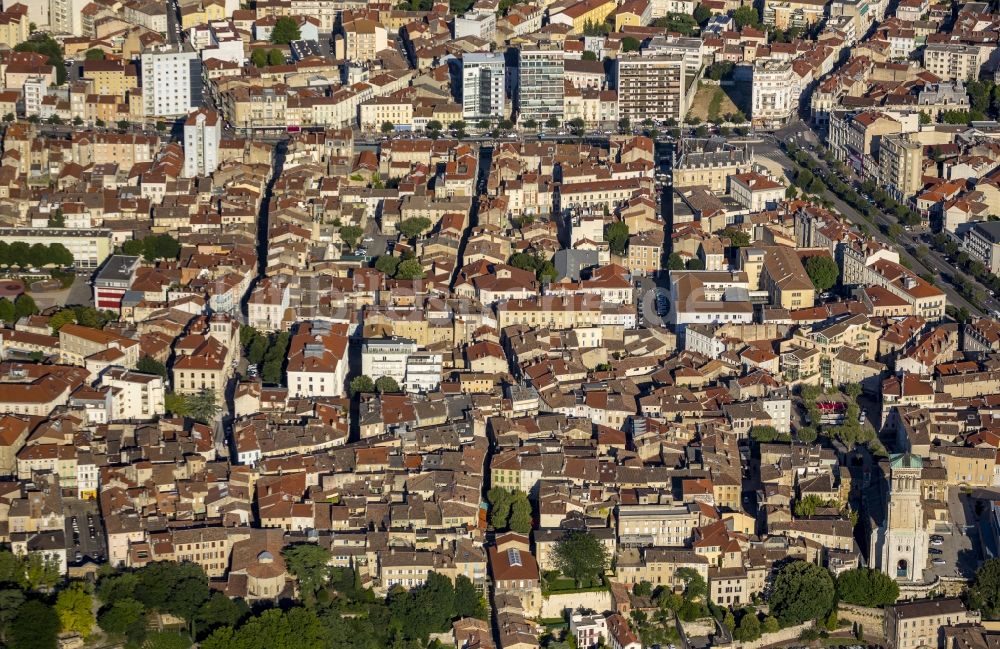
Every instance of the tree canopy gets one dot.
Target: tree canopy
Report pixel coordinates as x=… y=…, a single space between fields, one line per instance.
x=616 y=234
x=74 y=608
x=309 y=564
x=823 y=271
x=802 y=591
x=285 y=31
x=361 y=385
x=984 y=594
x=867 y=587
x=385 y=384
x=581 y=557
x=414 y=226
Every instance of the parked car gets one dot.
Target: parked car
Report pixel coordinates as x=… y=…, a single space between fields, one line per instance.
x=938 y=561
x=935 y=551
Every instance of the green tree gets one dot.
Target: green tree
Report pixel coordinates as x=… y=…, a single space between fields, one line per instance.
x=64 y=317
x=94 y=54
x=410 y=269
x=220 y=610
x=24 y=305
x=361 y=385
x=257 y=350
x=520 y=514
x=630 y=44
x=737 y=238
x=160 y=246
x=729 y=621
x=271 y=374
x=468 y=601
x=984 y=594
x=589 y=56
x=35 y=626
x=771 y=625
x=309 y=564
x=749 y=628
x=202 y=406
x=42 y=572
x=120 y=616
x=695 y=264
x=806 y=434
x=74 y=608
x=387 y=264
x=581 y=557
x=867 y=587
x=746 y=16
x=388 y=127
x=275 y=57
x=675 y=262
x=853 y=390
x=10 y=601
x=695 y=587
x=386 y=384
x=435 y=126
x=802 y=591
x=149 y=365
x=500 y=501
x=259 y=57
x=285 y=31
x=7 y=311
x=616 y=234
x=351 y=234
x=414 y=226
x=823 y=271
x=702 y=14
x=552 y=122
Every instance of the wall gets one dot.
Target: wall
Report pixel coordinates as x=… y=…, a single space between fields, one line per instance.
x=554 y=605
x=784 y=635
x=872 y=619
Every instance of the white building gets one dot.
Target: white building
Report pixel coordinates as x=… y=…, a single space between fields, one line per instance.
x=775 y=93
x=709 y=297
x=171 y=80
x=202 y=136
x=317 y=360
x=423 y=372
x=756 y=191
x=540 y=83
x=137 y=396
x=50 y=545
x=482 y=86
x=480 y=24
x=588 y=630
x=34 y=91
x=66 y=16
x=386 y=357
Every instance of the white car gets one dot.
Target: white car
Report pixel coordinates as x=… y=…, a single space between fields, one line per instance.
x=938 y=562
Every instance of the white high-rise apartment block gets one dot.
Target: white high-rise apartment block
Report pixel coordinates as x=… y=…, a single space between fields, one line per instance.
x=66 y=16
x=34 y=90
x=540 y=77
x=171 y=80
x=202 y=136
x=774 y=94
x=482 y=86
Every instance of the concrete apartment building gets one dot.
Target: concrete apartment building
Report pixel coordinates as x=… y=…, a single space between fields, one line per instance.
x=386 y=357
x=171 y=80
x=483 y=76
x=900 y=166
x=202 y=137
x=954 y=60
x=982 y=242
x=540 y=78
x=652 y=87
x=775 y=93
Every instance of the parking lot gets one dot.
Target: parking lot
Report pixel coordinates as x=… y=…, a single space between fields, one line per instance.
x=960 y=549
x=85 y=540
